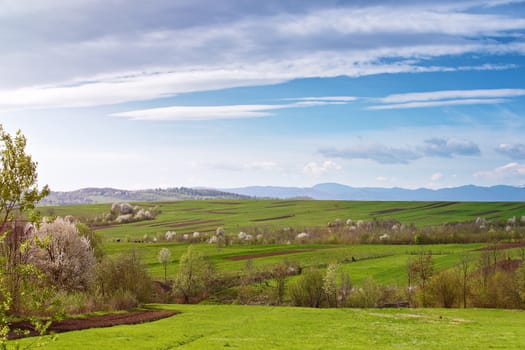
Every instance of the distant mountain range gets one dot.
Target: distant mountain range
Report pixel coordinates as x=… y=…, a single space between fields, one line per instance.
x=323 y=191
x=336 y=191
x=110 y=195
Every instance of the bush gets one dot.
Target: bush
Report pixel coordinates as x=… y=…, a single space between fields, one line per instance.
x=123 y=278
x=444 y=289
x=308 y=289
x=370 y=294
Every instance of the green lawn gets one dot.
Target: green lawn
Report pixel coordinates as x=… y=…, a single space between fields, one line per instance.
x=261 y=327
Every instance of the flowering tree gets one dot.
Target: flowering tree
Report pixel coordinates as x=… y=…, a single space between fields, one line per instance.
x=65 y=256
x=165 y=259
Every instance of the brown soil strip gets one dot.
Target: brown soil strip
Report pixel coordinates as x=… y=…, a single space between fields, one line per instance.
x=503 y=246
x=274 y=218
x=75 y=324
x=265 y=255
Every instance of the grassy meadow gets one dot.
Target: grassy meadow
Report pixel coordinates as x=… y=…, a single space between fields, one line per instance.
x=211 y=326
x=235 y=215
x=263 y=327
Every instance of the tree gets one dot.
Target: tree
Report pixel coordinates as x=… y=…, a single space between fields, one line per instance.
x=464 y=269
x=421 y=269
x=18 y=178
x=330 y=284
x=165 y=260
x=193 y=276
x=65 y=256
x=18 y=195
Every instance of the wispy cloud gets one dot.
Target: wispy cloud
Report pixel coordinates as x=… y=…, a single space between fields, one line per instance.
x=318 y=169
x=514 y=151
x=213 y=112
x=373 y=151
x=437 y=147
x=452 y=94
x=447 y=98
x=324 y=98
x=508 y=171
x=145 y=52
x=440 y=147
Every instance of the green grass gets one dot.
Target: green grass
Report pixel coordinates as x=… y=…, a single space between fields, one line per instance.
x=259 y=327
x=385 y=263
x=236 y=215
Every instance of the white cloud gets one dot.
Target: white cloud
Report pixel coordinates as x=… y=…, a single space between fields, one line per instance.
x=508 y=171
x=435 y=147
x=324 y=98
x=437 y=104
x=212 y=112
x=147 y=56
x=452 y=94
x=374 y=151
x=447 y=98
x=514 y=151
x=264 y=165
x=318 y=169
x=436 y=177
x=441 y=147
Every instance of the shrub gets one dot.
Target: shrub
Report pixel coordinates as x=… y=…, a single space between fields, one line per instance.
x=123 y=276
x=308 y=289
x=368 y=295
x=444 y=289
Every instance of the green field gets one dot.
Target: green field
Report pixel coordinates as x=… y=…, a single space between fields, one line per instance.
x=256 y=327
x=234 y=215
x=385 y=263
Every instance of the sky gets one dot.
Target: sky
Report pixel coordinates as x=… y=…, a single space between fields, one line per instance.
x=223 y=94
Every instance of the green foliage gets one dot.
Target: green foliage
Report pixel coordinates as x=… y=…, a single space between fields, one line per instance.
x=444 y=289
x=123 y=278
x=18 y=195
x=369 y=295
x=18 y=177
x=308 y=290
x=194 y=275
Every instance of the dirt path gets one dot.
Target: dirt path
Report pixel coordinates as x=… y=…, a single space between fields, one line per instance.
x=75 y=324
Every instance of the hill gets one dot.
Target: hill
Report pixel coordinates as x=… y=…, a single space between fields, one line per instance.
x=109 y=195
x=334 y=191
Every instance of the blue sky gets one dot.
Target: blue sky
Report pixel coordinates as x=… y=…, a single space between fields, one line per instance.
x=134 y=94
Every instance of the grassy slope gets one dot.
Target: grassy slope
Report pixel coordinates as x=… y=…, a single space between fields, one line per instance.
x=385 y=263
x=206 y=216
x=253 y=327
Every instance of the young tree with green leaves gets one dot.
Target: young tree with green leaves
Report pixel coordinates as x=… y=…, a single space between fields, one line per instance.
x=19 y=194
x=193 y=276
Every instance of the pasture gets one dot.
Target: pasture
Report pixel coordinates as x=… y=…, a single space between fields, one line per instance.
x=236 y=215
x=259 y=327
x=385 y=263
